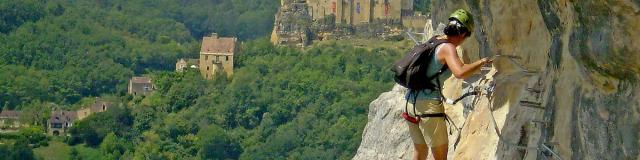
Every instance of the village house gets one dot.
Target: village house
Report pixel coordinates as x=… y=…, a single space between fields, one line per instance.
x=60 y=122
x=216 y=56
x=98 y=106
x=9 y=120
x=140 y=86
x=183 y=64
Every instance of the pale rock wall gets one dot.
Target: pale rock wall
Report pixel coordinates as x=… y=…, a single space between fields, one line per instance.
x=291 y=26
x=389 y=137
x=571 y=83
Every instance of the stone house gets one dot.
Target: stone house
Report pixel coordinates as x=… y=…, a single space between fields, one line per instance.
x=60 y=122
x=216 y=55
x=10 y=120
x=140 y=86
x=183 y=64
x=96 y=107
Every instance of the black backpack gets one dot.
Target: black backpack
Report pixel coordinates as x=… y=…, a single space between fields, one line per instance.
x=411 y=70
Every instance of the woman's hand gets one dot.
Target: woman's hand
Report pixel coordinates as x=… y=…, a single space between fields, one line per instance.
x=486 y=61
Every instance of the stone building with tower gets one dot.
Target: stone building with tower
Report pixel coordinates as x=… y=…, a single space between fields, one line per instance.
x=354 y=12
x=216 y=56
x=299 y=22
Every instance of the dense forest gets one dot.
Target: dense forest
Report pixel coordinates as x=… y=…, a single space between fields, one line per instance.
x=281 y=103
x=61 y=51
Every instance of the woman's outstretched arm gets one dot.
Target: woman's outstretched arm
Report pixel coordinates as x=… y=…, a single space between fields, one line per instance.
x=459 y=69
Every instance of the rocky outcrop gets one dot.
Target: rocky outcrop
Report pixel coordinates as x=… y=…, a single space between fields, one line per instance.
x=566 y=81
x=386 y=136
x=292 y=24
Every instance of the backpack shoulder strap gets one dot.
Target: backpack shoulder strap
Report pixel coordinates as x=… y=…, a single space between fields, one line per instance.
x=435 y=41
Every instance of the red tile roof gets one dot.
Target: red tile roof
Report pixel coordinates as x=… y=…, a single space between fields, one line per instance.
x=10 y=114
x=63 y=116
x=141 y=80
x=215 y=44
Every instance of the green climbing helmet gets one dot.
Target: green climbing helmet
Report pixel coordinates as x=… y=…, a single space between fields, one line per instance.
x=464 y=17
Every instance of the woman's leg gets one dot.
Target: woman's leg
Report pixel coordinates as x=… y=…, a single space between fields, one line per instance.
x=440 y=152
x=420 y=147
x=420 y=151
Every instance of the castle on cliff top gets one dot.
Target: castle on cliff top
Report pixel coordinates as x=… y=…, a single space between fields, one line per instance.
x=298 y=22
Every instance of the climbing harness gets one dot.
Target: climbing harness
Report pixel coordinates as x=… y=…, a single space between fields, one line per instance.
x=488 y=91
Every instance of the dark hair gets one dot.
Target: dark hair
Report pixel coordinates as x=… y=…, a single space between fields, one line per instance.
x=455 y=28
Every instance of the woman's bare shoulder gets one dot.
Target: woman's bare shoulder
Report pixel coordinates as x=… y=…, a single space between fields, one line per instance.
x=448 y=48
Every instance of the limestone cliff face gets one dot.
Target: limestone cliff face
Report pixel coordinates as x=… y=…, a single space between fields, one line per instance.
x=566 y=78
x=386 y=136
x=292 y=22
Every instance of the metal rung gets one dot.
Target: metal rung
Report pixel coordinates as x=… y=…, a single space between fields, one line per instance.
x=538 y=121
x=535 y=90
x=552 y=143
x=530 y=71
x=543 y=123
x=532 y=104
x=509 y=56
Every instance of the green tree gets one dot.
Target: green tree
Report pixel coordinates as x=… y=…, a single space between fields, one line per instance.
x=423 y=6
x=21 y=150
x=143 y=117
x=185 y=94
x=34 y=135
x=94 y=128
x=16 y=13
x=112 y=147
x=215 y=143
x=36 y=113
x=150 y=147
x=74 y=154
